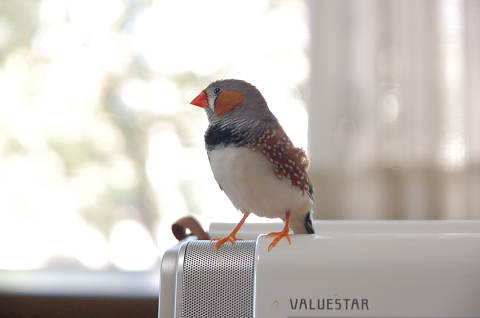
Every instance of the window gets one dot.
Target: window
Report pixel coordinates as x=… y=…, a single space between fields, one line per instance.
x=100 y=150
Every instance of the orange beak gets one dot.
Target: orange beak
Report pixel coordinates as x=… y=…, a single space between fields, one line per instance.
x=200 y=100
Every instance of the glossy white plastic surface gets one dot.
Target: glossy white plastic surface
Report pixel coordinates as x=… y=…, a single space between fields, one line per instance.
x=396 y=273
x=250 y=231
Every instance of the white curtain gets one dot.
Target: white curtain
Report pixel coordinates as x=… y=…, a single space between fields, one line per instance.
x=394 y=128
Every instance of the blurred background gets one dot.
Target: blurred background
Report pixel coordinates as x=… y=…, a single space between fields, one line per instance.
x=100 y=150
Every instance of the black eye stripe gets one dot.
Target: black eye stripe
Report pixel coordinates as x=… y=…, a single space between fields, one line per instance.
x=217 y=90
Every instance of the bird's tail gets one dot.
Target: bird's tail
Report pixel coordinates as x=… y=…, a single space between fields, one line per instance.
x=301 y=222
x=308 y=223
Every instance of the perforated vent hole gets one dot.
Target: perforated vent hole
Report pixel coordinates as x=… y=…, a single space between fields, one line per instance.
x=218 y=284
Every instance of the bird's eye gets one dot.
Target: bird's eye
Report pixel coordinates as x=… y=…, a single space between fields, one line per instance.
x=216 y=90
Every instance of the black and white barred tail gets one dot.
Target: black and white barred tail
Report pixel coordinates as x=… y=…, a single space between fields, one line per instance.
x=308 y=223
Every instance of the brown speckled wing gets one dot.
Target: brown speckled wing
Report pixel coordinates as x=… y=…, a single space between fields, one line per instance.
x=287 y=161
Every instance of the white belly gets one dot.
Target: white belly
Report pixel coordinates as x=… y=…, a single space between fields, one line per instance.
x=250 y=183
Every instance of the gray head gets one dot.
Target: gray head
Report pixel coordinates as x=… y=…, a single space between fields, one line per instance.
x=234 y=100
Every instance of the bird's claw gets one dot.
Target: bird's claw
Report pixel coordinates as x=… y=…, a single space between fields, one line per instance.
x=278 y=237
x=228 y=238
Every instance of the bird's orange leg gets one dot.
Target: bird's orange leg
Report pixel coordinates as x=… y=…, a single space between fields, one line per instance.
x=282 y=233
x=231 y=237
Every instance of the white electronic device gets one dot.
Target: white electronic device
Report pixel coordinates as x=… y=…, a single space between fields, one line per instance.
x=348 y=269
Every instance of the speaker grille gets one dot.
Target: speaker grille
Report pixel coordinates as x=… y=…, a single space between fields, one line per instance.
x=218 y=284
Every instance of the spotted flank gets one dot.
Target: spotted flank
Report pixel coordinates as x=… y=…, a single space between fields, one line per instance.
x=288 y=161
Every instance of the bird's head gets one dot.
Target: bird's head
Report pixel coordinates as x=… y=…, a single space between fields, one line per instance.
x=232 y=99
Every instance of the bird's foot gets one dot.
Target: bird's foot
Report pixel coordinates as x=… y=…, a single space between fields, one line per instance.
x=282 y=233
x=229 y=238
x=232 y=236
x=278 y=237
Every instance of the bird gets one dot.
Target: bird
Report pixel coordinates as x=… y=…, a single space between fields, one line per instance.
x=254 y=161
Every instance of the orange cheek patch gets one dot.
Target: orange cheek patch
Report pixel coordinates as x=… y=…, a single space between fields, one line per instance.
x=226 y=101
